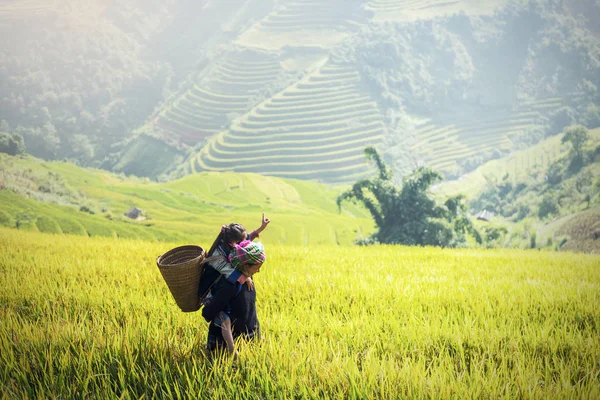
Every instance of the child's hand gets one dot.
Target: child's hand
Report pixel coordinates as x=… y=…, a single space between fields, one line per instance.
x=250 y=284
x=265 y=222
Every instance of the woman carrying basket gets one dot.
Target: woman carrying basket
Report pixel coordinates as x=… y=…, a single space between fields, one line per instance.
x=222 y=277
x=232 y=308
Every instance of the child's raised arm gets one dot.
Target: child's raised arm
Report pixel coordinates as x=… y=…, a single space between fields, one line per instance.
x=265 y=221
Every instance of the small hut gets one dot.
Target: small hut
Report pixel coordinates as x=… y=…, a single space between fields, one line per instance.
x=136 y=213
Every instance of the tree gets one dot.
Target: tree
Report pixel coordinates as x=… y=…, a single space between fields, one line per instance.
x=548 y=206
x=577 y=136
x=81 y=147
x=11 y=144
x=409 y=215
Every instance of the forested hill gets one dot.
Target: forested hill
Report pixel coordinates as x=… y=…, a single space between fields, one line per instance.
x=294 y=88
x=78 y=76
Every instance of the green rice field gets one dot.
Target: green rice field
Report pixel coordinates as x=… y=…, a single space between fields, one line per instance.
x=85 y=317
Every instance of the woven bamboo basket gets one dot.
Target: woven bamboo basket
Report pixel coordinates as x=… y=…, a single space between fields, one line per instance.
x=181 y=269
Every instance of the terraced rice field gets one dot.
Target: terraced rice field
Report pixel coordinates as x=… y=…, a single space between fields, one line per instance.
x=228 y=90
x=395 y=5
x=313 y=23
x=442 y=144
x=315 y=14
x=13 y=8
x=413 y=9
x=315 y=129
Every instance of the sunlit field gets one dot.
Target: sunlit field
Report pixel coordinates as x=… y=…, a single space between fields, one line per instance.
x=92 y=317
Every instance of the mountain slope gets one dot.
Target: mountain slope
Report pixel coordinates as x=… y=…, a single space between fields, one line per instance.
x=451 y=93
x=537 y=198
x=62 y=198
x=315 y=129
x=449 y=84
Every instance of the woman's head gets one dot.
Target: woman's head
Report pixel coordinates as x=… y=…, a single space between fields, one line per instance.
x=248 y=257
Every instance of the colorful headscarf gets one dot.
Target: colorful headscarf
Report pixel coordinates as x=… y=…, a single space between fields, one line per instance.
x=247 y=253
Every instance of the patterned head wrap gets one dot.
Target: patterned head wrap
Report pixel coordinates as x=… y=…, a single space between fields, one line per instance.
x=247 y=253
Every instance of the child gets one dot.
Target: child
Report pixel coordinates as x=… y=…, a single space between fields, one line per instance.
x=246 y=257
x=216 y=257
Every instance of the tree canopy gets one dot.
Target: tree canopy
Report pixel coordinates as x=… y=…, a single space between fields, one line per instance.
x=11 y=144
x=577 y=136
x=410 y=214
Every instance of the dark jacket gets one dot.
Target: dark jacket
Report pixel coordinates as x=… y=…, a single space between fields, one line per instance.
x=239 y=302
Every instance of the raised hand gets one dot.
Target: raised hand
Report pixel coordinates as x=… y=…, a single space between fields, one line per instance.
x=265 y=222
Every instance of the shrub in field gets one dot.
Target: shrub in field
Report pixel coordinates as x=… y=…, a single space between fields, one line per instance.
x=532 y=240
x=493 y=235
x=86 y=209
x=409 y=214
x=25 y=221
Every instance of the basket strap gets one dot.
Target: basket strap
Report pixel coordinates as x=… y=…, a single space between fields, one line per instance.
x=211 y=285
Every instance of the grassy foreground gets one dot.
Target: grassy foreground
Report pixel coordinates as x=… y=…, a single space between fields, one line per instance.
x=91 y=317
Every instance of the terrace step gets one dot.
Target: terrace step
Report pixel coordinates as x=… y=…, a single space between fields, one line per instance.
x=313 y=115
x=319 y=125
x=240 y=134
x=302 y=145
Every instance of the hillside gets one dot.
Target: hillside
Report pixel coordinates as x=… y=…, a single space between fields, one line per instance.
x=374 y=86
x=520 y=164
x=79 y=77
x=298 y=87
x=537 y=198
x=575 y=232
x=58 y=197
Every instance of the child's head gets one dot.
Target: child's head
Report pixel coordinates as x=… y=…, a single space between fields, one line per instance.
x=248 y=257
x=233 y=234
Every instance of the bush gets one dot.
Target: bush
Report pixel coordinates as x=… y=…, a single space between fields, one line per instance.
x=561 y=118
x=555 y=173
x=6 y=220
x=410 y=214
x=522 y=212
x=25 y=221
x=493 y=234
x=86 y=209
x=11 y=144
x=369 y=241
x=548 y=206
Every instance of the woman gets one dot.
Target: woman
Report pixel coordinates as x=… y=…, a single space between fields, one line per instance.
x=231 y=309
